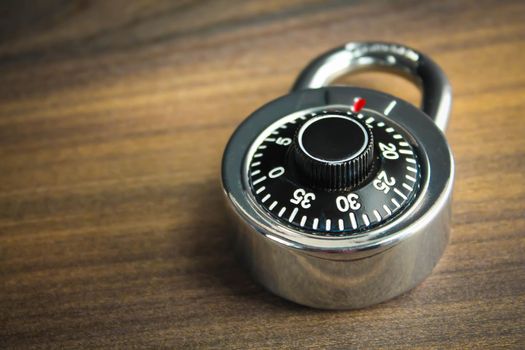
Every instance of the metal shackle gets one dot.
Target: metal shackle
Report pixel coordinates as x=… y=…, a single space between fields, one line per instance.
x=398 y=59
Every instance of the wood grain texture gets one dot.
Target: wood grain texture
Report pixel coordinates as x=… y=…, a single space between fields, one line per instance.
x=113 y=119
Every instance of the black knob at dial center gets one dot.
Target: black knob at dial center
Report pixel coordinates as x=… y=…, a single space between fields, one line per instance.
x=334 y=151
x=332 y=138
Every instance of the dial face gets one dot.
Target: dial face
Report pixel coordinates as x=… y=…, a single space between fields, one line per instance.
x=332 y=172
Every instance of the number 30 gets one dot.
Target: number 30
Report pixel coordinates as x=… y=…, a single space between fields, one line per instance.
x=349 y=202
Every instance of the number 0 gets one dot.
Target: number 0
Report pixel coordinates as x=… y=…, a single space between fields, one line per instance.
x=276 y=172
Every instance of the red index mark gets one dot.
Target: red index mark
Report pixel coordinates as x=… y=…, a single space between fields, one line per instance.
x=359 y=103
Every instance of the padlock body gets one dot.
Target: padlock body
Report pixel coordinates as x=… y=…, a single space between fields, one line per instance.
x=346 y=269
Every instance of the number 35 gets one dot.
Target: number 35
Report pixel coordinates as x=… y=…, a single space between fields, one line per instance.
x=302 y=197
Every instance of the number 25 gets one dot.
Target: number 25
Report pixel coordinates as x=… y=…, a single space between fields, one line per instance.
x=383 y=182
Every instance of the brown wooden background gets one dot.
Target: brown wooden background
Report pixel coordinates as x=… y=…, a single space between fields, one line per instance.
x=113 y=119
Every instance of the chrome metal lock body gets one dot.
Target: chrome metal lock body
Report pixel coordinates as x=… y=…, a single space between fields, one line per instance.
x=341 y=195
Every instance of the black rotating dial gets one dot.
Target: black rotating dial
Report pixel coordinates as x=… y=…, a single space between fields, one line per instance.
x=334 y=151
x=333 y=172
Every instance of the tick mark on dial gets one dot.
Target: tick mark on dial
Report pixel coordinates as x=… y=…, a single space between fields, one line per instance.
x=353 y=221
x=377 y=215
x=387 y=209
x=407 y=186
x=395 y=202
x=260 y=190
x=294 y=212
x=409 y=168
x=281 y=212
x=328 y=225
x=259 y=180
x=411 y=160
x=341 y=225
x=401 y=194
x=315 y=224
x=366 y=220
x=406 y=151
x=303 y=221
x=410 y=178
x=273 y=205
x=254 y=164
x=266 y=198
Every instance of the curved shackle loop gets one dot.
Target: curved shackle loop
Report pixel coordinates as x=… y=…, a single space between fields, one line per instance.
x=398 y=59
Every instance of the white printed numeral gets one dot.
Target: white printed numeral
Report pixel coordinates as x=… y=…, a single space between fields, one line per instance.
x=389 y=151
x=349 y=202
x=302 y=197
x=276 y=172
x=383 y=182
x=283 y=141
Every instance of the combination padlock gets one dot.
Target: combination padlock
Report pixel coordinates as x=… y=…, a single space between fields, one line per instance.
x=341 y=195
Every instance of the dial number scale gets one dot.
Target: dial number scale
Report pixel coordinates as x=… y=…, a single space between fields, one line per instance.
x=385 y=180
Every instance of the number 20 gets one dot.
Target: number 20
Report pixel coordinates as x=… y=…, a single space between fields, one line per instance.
x=389 y=150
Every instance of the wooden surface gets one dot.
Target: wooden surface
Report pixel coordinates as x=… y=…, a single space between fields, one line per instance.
x=113 y=119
